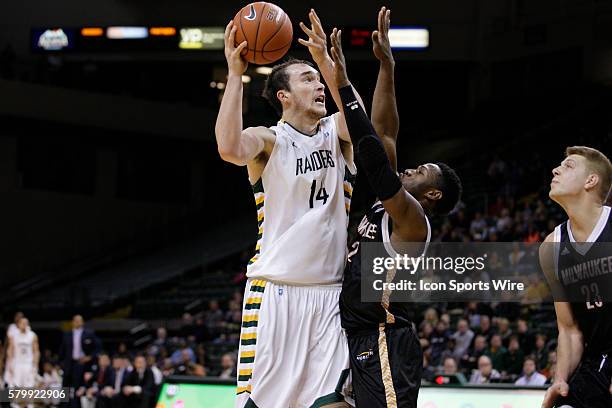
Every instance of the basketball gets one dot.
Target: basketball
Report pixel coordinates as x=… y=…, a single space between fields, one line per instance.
x=267 y=30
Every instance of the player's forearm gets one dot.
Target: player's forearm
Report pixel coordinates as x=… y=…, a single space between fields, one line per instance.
x=228 y=128
x=385 y=117
x=569 y=352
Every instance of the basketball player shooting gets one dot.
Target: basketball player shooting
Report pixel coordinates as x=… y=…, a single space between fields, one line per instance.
x=580 y=186
x=385 y=353
x=292 y=351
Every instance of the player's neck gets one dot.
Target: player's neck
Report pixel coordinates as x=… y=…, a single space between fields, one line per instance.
x=300 y=122
x=583 y=216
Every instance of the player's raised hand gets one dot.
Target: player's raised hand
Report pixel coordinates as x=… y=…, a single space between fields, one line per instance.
x=235 y=63
x=380 y=37
x=317 y=39
x=556 y=390
x=338 y=57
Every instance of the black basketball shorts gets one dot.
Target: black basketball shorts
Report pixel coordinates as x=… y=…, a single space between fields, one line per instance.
x=386 y=367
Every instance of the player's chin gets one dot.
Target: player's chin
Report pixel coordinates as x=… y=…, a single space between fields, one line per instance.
x=319 y=111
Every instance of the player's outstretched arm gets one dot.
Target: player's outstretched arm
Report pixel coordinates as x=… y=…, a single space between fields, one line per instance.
x=235 y=145
x=385 y=117
x=410 y=223
x=317 y=46
x=570 y=344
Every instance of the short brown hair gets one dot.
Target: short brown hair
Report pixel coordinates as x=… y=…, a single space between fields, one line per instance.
x=279 y=80
x=598 y=163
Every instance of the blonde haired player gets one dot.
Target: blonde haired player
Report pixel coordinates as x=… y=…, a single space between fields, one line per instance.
x=573 y=265
x=293 y=352
x=24 y=353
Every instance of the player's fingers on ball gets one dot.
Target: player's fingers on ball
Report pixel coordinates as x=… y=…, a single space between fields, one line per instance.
x=228 y=28
x=241 y=47
x=232 y=37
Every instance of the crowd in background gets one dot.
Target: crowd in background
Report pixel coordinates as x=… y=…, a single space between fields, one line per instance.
x=473 y=343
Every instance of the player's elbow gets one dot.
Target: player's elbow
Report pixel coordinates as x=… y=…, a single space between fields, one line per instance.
x=230 y=155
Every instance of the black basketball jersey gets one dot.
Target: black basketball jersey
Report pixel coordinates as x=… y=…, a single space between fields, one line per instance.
x=587 y=282
x=357 y=315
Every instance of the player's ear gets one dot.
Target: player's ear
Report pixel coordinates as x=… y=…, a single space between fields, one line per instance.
x=282 y=95
x=433 y=194
x=591 y=181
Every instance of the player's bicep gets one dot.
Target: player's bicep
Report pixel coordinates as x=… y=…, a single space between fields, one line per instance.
x=409 y=221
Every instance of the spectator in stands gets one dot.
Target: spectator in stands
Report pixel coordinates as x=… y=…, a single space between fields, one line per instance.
x=96 y=381
x=439 y=343
x=139 y=385
x=428 y=372
x=514 y=359
x=449 y=367
x=161 y=341
x=503 y=329
x=470 y=360
x=463 y=338
x=425 y=334
x=50 y=380
x=158 y=377
x=122 y=350
x=201 y=356
x=228 y=365
x=200 y=330
x=111 y=396
x=79 y=348
x=525 y=337
x=167 y=367
x=485 y=372
x=214 y=317
x=431 y=316
x=530 y=376
x=497 y=352
x=540 y=352
x=183 y=350
x=485 y=328
x=187 y=365
x=187 y=326
x=478 y=227
x=552 y=360
x=504 y=223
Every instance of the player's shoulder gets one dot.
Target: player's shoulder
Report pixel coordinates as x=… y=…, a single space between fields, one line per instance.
x=329 y=121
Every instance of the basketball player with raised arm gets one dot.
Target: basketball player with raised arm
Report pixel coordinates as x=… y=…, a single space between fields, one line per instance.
x=293 y=352
x=580 y=185
x=385 y=353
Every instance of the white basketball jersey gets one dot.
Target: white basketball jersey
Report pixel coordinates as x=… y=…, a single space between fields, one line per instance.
x=303 y=200
x=23 y=353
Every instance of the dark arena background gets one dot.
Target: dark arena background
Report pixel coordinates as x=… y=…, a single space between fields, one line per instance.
x=116 y=206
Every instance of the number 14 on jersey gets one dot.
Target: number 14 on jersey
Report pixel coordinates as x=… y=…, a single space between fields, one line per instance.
x=321 y=194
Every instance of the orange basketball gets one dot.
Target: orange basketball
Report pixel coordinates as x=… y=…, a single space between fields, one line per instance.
x=267 y=30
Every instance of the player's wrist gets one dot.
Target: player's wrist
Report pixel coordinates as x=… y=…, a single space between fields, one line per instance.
x=387 y=63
